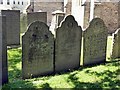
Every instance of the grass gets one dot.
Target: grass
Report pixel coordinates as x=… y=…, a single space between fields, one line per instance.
x=100 y=76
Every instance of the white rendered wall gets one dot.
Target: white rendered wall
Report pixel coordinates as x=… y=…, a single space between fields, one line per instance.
x=18 y=5
x=78 y=11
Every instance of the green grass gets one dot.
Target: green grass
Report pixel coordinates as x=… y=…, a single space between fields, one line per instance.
x=100 y=76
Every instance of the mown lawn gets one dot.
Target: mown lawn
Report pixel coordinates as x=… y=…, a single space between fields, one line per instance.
x=100 y=76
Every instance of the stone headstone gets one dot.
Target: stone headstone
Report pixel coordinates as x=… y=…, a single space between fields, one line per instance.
x=95 y=42
x=12 y=26
x=37 y=51
x=116 y=45
x=3 y=52
x=60 y=19
x=68 y=45
x=37 y=16
x=23 y=23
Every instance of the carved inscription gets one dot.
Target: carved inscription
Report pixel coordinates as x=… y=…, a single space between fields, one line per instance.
x=68 y=45
x=38 y=48
x=95 y=42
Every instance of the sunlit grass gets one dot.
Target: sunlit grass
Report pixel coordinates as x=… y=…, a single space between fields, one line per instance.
x=100 y=76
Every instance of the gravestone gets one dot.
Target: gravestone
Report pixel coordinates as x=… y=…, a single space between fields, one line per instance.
x=37 y=51
x=95 y=42
x=68 y=45
x=23 y=23
x=3 y=52
x=116 y=45
x=60 y=19
x=12 y=26
x=36 y=16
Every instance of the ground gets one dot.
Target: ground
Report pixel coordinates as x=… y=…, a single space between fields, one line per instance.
x=100 y=76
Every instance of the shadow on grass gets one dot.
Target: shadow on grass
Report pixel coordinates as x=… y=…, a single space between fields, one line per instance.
x=16 y=82
x=108 y=79
x=14 y=57
x=14 y=75
x=82 y=85
x=14 y=64
x=46 y=86
x=22 y=85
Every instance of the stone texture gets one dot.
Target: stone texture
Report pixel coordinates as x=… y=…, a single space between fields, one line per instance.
x=119 y=14
x=29 y=18
x=37 y=16
x=37 y=51
x=23 y=23
x=68 y=7
x=60 y=19
x=56 y=20
x=103 y=9
x=3 y=52
x=116 y=45
x=68 y=45
x=12 y=26
x=95 y=42
x=48 y=6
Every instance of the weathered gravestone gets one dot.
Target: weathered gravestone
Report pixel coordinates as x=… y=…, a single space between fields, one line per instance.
x=29 y=18
x=3 y=52
x=68 y=45
x=12 y=26
x=95 y=42
x=37 y=16
x=116 y=45
x=37 y=51
x=23 y=23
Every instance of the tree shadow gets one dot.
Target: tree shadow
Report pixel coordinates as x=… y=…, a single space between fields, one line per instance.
x=109 y=78
x=82 y=85
x=14 y=75
x=46 y=86
x=22 y=85
x=14 y=65
x=14 y=56
x=114 y=61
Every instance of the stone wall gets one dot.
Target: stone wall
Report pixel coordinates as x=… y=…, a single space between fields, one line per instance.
x=48 y=7
x=108 y=11
x=68 y=7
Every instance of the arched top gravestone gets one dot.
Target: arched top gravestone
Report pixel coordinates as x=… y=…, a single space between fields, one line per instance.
x=97 y=26
x=95 y=42
x=68 y=45
x=69 y=23
x=37 y=50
